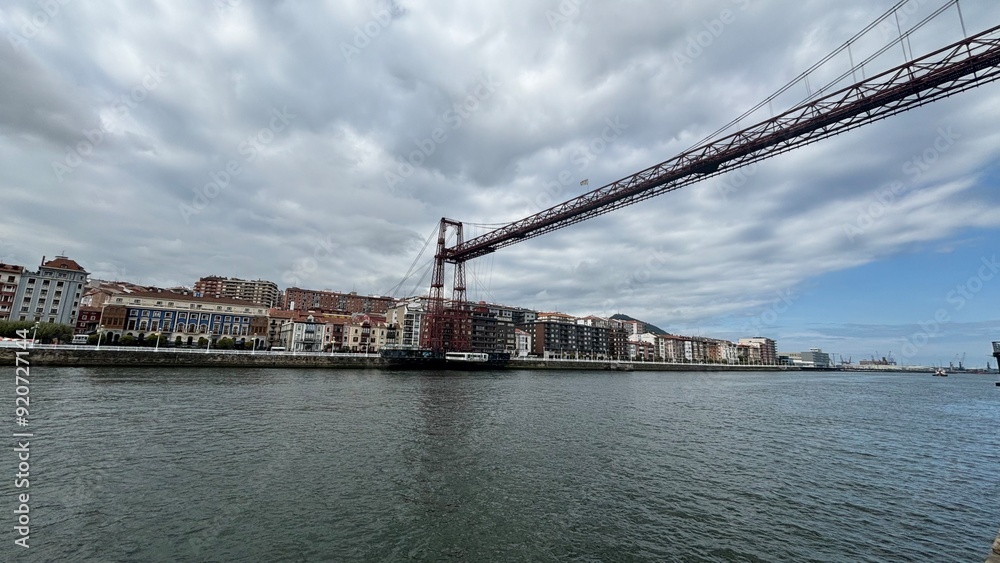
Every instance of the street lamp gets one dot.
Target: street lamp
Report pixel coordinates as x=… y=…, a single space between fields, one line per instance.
x=209 y=349
x=100 y=333
x=33 y=332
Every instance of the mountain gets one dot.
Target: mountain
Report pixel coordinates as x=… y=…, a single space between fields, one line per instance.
x=651 y=328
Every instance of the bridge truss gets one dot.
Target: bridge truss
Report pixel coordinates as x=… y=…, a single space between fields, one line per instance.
x=961 y=66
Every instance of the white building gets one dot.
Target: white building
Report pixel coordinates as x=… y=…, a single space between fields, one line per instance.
x=408 y=317
x=304 y=335
x=522 y=343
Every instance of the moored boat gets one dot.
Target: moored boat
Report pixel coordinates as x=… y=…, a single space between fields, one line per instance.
x=423 y=358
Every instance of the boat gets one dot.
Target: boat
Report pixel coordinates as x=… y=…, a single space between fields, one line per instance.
x=425 y=358
x=940 y=372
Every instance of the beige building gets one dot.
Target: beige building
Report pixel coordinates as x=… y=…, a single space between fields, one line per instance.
x=260 y=292
x=10 y=277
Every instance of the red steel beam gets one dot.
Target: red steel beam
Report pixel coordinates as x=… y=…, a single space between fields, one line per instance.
x=958 y=67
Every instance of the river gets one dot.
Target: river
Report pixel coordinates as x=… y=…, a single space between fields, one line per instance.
x=353 y=465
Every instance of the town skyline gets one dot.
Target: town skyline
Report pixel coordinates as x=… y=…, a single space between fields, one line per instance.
x=322 y=145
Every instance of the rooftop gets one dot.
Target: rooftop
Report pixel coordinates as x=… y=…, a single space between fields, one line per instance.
x=63 y=263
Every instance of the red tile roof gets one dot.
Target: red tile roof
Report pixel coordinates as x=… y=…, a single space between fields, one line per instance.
x=64 y=263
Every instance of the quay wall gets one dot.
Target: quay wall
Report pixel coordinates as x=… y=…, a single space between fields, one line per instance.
x=169 y=358
x=71 y=356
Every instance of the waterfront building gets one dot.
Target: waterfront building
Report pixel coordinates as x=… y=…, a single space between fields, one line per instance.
x=275 y=318
x=522 y=343
x=722 y=351
x=10 y=278
x=187 y=316
x=308 y=299
x=492 y=329
x=303 y=334
x=765 y=349
x=365 y=334
x=671 y=347
x=407 y=316
x=642 y=351
x=747 y=354
x=557 y=335
x=814 y=358
x=260 y=292
x=52 y=294
x=88 y=320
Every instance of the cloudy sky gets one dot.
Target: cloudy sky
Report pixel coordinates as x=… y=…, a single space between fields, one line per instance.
x=318 y=144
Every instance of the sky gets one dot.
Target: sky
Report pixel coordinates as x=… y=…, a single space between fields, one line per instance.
x=318 y=144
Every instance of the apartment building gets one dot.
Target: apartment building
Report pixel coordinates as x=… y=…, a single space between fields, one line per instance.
x=260 y=292
x=50 y=295
x=183 y=315
x=10 y=278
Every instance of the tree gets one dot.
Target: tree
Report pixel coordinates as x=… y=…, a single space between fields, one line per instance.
x=155 y=339
x=46 y=332
x=177 y=342
x=225 y=344
x=127 y=340
x=92 y=339
x=202 y=342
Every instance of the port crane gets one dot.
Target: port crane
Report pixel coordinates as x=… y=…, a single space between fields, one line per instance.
x=960 y=66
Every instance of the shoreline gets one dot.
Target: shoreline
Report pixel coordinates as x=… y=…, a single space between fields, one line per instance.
x=73 y=356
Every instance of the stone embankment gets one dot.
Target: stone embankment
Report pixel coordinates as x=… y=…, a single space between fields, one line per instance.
x=73 y=356
x=994 y=556
x=85 y=357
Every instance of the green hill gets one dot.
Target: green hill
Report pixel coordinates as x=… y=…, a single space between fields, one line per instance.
x=650 y=327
